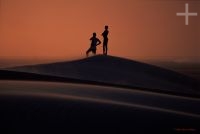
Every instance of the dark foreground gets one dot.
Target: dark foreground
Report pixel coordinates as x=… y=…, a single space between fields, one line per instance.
x=48 y=107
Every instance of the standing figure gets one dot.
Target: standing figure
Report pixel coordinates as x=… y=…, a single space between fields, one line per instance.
x=94 y=42
x=105 y=40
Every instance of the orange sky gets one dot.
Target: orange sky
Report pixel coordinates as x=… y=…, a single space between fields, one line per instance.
x=61 y=29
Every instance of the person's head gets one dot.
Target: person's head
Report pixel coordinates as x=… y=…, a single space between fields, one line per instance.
x=94 y=34
x=106 y=27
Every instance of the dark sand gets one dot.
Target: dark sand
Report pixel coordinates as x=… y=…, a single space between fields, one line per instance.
x=190 y=69
x=101 y=94
x=65 y=107
x=120 y=72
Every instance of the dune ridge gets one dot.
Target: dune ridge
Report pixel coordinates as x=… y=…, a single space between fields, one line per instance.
x=116 y=71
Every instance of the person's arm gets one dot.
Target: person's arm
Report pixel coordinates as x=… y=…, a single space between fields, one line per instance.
x=99 y=42
x=103 y=34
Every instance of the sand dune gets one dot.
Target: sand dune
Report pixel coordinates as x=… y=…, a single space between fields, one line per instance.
x=53 y=107
x=118 y=71
x=101 y=94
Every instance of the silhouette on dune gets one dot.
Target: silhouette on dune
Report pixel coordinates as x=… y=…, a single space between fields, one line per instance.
x=119 y=71
x=105 y=40
x=94 y=43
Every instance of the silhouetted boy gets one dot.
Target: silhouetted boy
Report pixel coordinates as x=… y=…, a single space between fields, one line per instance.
x=105 y=40
x=94 y=42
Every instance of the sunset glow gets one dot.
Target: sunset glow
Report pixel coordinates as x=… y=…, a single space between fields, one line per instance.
x=60 y=29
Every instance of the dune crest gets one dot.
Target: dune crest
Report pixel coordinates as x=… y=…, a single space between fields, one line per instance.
x=116 y=70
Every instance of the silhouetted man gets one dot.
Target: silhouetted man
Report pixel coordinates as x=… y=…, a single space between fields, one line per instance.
x=105 y=40
x=94 y=42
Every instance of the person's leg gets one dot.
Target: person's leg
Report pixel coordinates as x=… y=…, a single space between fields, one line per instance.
x=94 y=51
x=87 y=52
x=106 y=47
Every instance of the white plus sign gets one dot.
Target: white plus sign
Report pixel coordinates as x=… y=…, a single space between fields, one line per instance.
x=186 y=14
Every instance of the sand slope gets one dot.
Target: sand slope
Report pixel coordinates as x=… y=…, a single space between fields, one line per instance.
x=115 y=70
x=53 y=107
